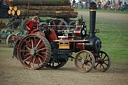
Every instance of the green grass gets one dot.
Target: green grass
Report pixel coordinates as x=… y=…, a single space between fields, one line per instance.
x=106 y=11
x=114 y=37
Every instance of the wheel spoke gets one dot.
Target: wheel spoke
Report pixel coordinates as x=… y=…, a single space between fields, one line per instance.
x=97 y=64
x=106 y=60
x=27 y=54
x=106 y=64
x=79 y=60
x=103 y=66
x=88 y=64
x=32 y=42
x=86 y=56
x=82 y=66
x=90 y=61
x=40 y=46
x=37 y=61
x=41 y=57
x=41 y=49
x=40 y=60
x=44 y=53
x=80 y=57
x=35 y=41
x=30 y=61
x=104 y=57
x=27 y=47
x=33 y=62
x=28 y=44
x=38 y=43
x=27 y=58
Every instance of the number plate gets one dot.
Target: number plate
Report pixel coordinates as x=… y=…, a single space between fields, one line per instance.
x=64 y=45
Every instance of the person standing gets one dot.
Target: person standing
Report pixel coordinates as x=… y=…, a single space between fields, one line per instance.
x=74 y=3
x=119 y=4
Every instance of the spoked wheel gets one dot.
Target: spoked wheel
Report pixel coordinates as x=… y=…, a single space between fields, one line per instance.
x=9 y=41
x=103 y=62
x=17 y=34
x=56 y=65
x=72 y=25
x=62 y=25
x=84 y=61
x=58 y=24
x=34 y=51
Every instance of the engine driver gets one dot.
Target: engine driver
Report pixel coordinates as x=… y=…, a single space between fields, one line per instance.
x=32 y=25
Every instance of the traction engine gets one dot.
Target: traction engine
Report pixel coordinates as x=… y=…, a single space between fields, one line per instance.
x=53 y=45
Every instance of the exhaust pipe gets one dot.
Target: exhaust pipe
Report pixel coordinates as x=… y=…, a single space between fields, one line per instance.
x=95 y=42
x=92 y=8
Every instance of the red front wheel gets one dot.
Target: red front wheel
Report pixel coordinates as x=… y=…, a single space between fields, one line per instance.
x=84 y=61
x=103 y=62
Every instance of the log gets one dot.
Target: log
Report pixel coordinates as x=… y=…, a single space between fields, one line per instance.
x=40 y=2
x=54 y=14
x=47 y=8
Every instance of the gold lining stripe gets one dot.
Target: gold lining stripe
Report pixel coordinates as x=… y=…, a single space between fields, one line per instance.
x=92 y=9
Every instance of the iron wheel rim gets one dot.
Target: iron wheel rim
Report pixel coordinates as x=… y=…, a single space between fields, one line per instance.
x=84 y=61
x=103 y=62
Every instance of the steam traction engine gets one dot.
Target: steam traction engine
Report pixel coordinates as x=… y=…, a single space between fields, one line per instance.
x=53 y=47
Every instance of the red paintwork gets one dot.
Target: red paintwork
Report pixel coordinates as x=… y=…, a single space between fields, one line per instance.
x=52 y=36
x=81 y=45
x=77 y=31
x=16 y=38
x=33 y=31
x=94 y=54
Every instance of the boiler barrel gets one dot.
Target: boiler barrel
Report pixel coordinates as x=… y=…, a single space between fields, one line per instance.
x=40 y=2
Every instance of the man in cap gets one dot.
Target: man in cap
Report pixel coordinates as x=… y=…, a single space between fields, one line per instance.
x=31 y=25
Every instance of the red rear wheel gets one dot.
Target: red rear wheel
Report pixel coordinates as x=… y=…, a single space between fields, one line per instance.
x=34 y=51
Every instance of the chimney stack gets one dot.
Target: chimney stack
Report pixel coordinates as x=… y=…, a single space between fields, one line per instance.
x=92 y=8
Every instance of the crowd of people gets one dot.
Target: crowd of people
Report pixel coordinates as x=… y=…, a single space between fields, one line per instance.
x=101 y=4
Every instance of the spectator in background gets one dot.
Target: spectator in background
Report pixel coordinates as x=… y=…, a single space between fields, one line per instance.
x=99 y=5
x=86 y=5
x=124 y=7
x=80 y=4
x=119 y=4
x=125 y=4
x=108 y=5
x=74 y=3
